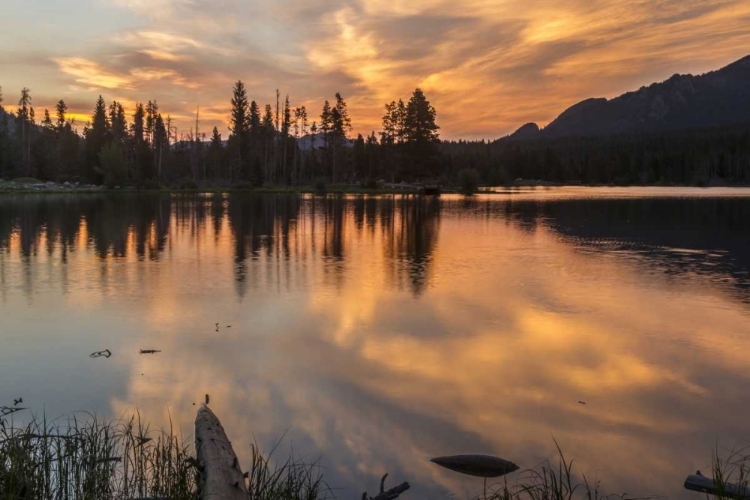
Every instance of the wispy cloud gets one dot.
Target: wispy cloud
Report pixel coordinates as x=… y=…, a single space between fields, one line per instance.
x=487 y=66
x=92 y=75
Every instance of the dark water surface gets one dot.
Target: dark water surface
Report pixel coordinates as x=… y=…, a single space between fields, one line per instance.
x=383 y=331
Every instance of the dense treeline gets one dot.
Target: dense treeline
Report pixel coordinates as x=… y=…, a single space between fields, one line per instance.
x=695 y=157
x=273 y=145
x=282 y=145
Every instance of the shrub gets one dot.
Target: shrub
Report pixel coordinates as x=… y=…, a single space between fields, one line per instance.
x=468 y=181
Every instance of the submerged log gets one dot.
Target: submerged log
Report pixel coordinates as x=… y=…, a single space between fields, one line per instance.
x=220 y=474
x=391 y=494
x=703 y=484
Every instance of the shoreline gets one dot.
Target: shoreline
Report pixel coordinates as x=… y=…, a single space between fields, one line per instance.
x=335 y=189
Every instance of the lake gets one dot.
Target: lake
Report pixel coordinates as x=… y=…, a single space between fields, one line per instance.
x=377 y=332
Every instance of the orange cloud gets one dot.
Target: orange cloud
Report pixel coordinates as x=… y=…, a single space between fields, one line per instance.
x=487 y=66
x=92 y=74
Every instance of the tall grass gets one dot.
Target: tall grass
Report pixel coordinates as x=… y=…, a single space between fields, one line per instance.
x=549 y=482
x=293 y=479
x=731 y=474
x=87 y=458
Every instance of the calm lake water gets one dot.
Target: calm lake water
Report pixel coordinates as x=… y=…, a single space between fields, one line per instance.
x=379 y=332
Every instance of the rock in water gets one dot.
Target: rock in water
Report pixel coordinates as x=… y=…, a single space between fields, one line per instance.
x=477 y=465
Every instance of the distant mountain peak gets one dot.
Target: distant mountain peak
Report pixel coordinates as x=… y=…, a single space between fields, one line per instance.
x=527 y=131
x=718 y=98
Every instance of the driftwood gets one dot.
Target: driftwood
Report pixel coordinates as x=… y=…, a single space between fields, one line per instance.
x=390 y=494
x=703 y=484
x=220 y=475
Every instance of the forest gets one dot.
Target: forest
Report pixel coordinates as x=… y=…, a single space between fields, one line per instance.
x=281 y=145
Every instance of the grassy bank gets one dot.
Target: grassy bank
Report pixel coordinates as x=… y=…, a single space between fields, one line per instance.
x=85 y=458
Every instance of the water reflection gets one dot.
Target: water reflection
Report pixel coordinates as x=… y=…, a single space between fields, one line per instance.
x=382 y=331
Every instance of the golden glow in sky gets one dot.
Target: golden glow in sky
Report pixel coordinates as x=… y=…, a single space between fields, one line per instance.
x=488 y=66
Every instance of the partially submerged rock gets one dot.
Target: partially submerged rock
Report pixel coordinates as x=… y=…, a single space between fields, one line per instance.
x=477 y=465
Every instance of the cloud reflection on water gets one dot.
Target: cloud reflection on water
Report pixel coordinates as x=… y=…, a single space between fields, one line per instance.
x=383 y=331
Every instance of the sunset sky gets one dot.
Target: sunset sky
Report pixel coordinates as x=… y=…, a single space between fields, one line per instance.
x=488 y=66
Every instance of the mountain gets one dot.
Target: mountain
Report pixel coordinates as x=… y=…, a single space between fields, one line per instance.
x=716 y=99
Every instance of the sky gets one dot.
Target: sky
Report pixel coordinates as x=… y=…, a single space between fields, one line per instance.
x=488 y=66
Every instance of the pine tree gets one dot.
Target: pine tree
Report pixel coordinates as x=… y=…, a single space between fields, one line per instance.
x=360 y=155
x=24 y=118
x=326 y=125
x=47 y=121
x=399 y=121
x=118 y=123
x=371 y=148
x=216 y=154
x=268 y=137
x=152 y=110
x=161 y=145
x=61 y=110
x=97 y=137
x=239 y=127
x=421 y=136
x=141 y=152
x=340 y=126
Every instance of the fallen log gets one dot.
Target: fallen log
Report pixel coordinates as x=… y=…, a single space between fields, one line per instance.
x=703 y=484
x=220 y=476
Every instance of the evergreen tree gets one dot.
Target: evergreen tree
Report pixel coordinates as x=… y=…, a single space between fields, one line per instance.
x=268 y=137
x=97 y=137
x=371 y=151
x=239 y=127
x=47 y=121
x=161 y=145
x=216 y=154
x=61 y=110
x=326 y=126
x=118 y=123
x=340 y=126
x=25 y=121
x=152 y=110
x=360 y=156
x=140 y=150
x=421 y=136
x=112 y=166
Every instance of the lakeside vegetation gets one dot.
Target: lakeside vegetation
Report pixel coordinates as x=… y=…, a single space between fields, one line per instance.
x=285 y=148
x=86 y=457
